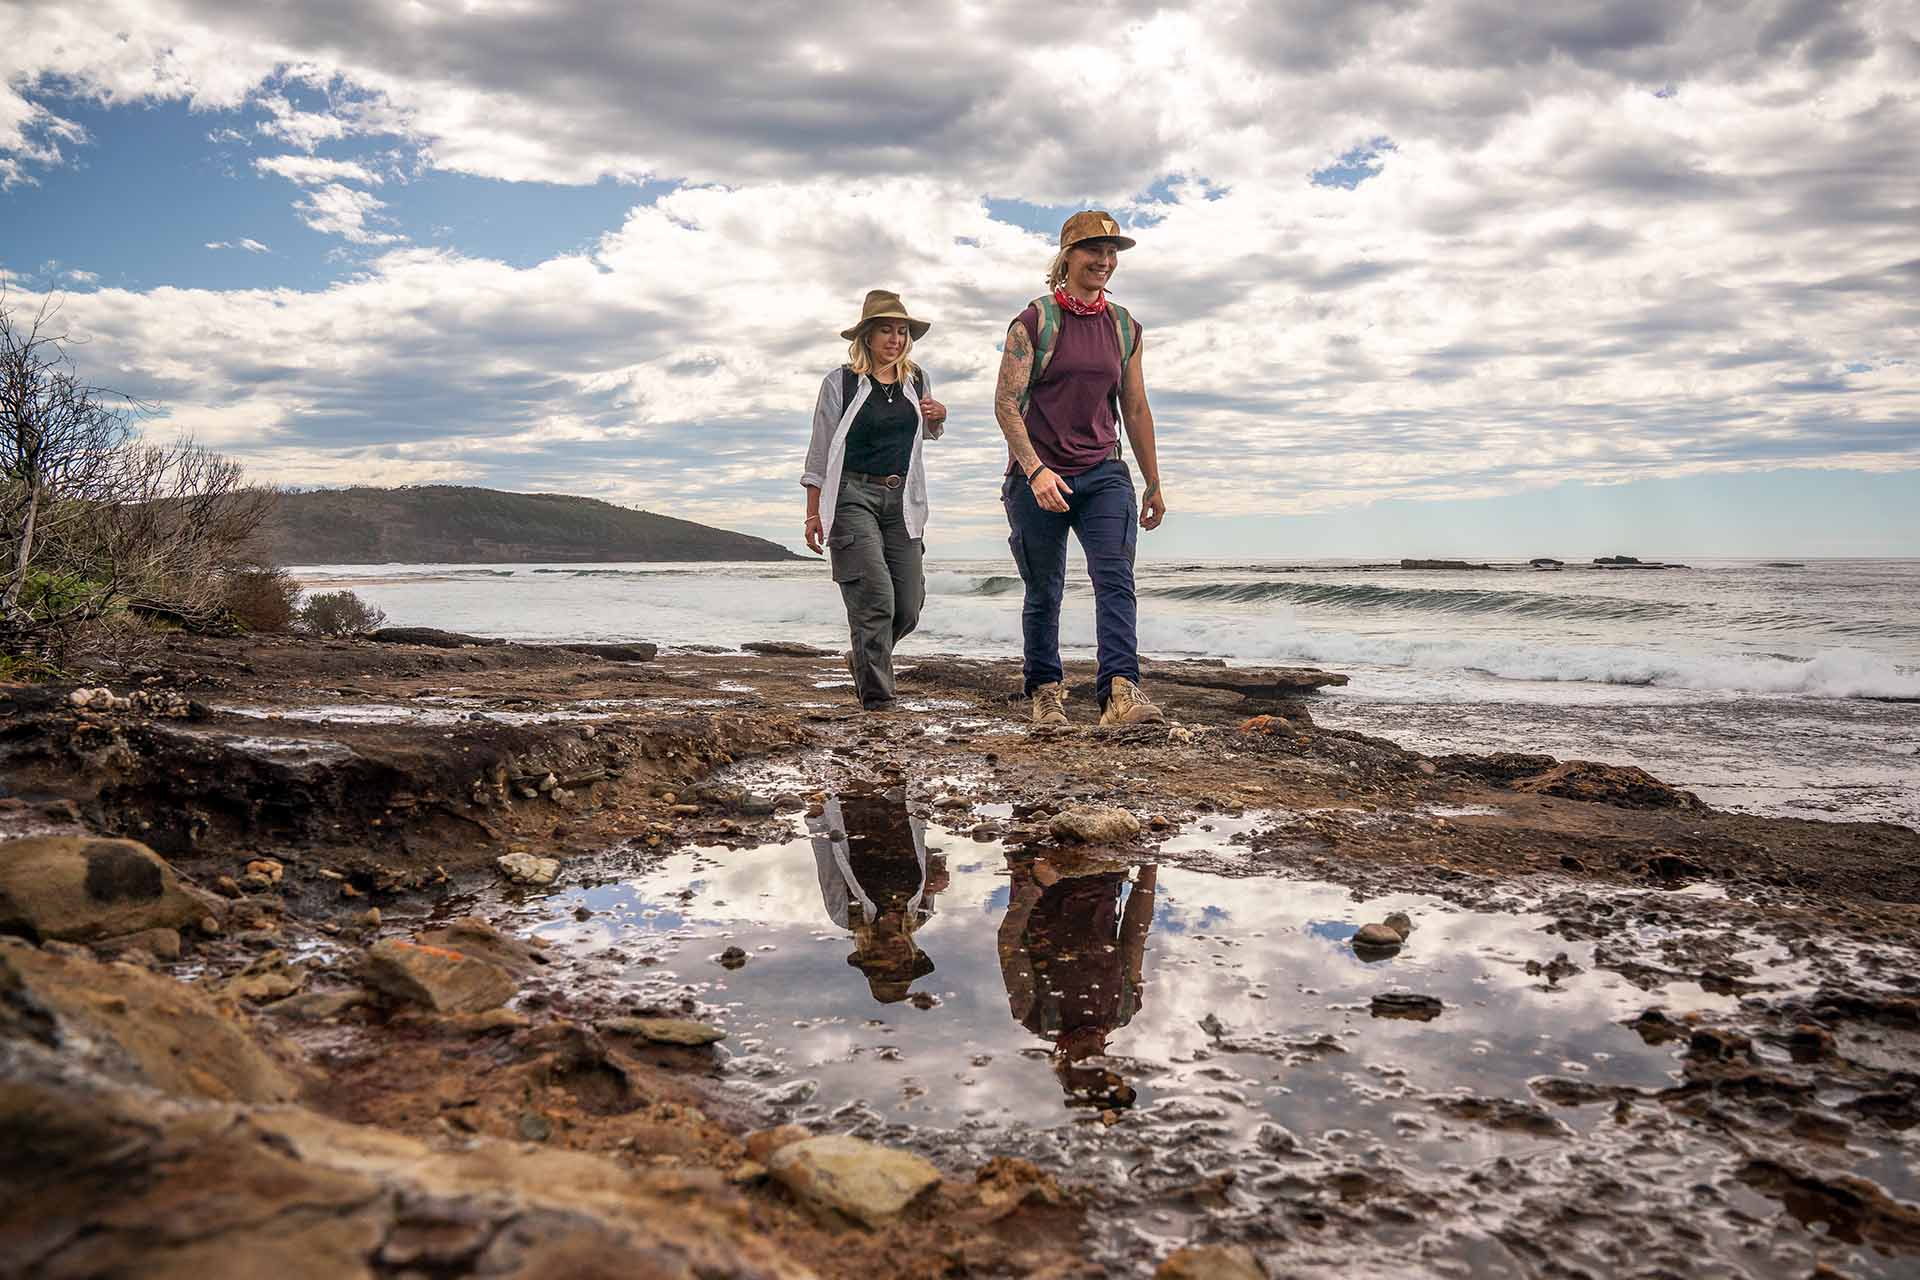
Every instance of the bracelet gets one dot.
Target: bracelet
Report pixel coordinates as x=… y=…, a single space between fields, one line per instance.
x=1036 y=471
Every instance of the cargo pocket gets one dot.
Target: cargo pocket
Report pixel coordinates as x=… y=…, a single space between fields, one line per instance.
x=845 y=558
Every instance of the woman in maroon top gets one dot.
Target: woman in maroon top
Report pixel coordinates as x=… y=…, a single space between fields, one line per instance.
x=1070 y=376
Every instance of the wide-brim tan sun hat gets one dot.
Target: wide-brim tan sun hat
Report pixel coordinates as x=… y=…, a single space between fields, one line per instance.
x=885 y=304
x=1093 y=224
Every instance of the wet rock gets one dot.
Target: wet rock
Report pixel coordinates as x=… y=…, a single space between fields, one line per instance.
x=1377 y=938
x=525 y=868
x=680 y=1031
x=435 y=977
x=472 y=936
x=1615 y=784
x=1266 y=725
x=161 y=944
x=1853 y=1209
x=1253 y=682
x=1094 y=824
x=732 y=958
x=432 y=637
x=1400 y=923
x=1553 y=970
x=1503 y=1113
x=1656 y=1028
x=1393 y=1004
x=762 y=1143
x=1808 y=1043
x=1717 y=1044
x=1212 y=1262
x=632 y=652
x=785 y=649
x=267 y=979
x=82 y=888
x=858 y=1180
x=137 y=1027
x=316 y=1006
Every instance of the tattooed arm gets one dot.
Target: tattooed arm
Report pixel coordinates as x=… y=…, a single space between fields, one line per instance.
x=1139 y=421
x=1016 y=366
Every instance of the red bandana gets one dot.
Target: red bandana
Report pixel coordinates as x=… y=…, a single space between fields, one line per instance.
x=1070 y=303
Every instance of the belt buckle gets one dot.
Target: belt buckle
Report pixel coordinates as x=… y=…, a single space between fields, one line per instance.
x=892 y=482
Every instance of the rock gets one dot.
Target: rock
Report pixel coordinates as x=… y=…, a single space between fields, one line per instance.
x=785 y=649
x=432 y=637
x=638 y=651
x=137 y=1027
x=762 y=1143
x=472 y=936
x=1393 y=1004
x=267 y=979
x=1809 y=1043
x=859 y=1180
x=435 y=977
x=951 y=800
x=316 y=1006
x=1615 y=784
x=681 y=1031
x=82 y=888
x=1212 y=1262
x=525 y=868
x=1442 y=564
x=1094 y=824
x=269 y=869
x=1377 y=937
x=1251 y=682
x=1400 y=924
x=1179 y=735
x=1265 y=725
x=732 y=958
x=1718 y=1044
x=534 y=1127
x=161 y=944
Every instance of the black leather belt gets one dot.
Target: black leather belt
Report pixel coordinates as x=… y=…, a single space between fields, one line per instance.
x=888 y=482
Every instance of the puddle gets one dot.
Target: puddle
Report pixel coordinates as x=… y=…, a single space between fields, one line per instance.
x=1194 y=1045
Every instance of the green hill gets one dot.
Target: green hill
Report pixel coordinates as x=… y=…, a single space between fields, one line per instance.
x=453 y=524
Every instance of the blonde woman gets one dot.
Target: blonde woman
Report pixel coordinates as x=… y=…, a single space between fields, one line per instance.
x=864 y=457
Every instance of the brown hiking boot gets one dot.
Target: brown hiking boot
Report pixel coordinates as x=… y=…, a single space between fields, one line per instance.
x=1049 y=710
x=1127 y=705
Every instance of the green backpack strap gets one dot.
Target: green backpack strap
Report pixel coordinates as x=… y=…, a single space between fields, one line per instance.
x=1049 y=312
x=1123 y=325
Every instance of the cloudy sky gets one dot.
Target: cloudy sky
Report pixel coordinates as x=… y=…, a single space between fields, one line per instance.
x=1473 y=277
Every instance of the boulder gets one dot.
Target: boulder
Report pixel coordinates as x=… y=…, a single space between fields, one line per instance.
x=636 y=652
x=436 y=978
x=474 y=937
x=785 y=649
x=1094 y=824
x=84 y=888
x=1615 y=784
x=1253 y=682
x=137 y=1027
x=525 y=868
x=1212 y=1262
x=432 y=637
x=680 y=1031
x=854 y=1179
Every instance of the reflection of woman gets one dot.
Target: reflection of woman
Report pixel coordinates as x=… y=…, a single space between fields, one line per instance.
x=1072 y=957
x=877 y=883
x=864 y=461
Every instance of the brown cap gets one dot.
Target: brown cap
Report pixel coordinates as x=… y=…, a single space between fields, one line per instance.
x=884 y=304
x=1093 y=224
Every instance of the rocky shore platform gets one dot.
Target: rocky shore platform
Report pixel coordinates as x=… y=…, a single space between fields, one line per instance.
x=287 y=986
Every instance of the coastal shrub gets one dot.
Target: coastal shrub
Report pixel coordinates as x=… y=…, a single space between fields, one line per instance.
x=338 y=613
x=261 y=597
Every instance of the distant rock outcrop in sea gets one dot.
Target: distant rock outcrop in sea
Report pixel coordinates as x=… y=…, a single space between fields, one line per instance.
x=455 y=524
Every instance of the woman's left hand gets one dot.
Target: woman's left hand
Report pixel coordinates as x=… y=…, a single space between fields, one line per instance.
x=934 y=412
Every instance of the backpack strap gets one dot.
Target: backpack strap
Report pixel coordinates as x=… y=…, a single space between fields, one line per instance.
x=1049 y=312
x=1123 y=326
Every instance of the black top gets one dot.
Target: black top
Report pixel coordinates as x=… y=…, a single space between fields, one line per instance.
x=880 y=442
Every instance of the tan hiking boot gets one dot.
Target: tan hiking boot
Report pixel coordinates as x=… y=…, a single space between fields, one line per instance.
x=1049 y=709
x=1127 y=705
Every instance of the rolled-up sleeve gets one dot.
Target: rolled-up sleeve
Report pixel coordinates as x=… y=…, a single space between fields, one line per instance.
x=930 y=430
x=826 y=417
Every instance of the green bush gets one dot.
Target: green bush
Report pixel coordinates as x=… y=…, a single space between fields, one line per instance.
x=338 y=613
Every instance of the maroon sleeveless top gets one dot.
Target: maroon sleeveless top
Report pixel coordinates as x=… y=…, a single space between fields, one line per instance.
x=1070 y=416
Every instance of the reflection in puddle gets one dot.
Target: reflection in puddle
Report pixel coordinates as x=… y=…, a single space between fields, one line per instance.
x=1149 y=1027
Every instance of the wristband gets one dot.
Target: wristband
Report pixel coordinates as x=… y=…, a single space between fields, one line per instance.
x=1036 y=471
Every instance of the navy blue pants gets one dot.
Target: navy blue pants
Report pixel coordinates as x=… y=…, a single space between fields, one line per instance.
x=1100 y=512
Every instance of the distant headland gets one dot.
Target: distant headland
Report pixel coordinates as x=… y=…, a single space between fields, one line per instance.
x=457 y=524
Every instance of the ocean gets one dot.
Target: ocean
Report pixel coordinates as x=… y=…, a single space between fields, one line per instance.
x=1772 y=687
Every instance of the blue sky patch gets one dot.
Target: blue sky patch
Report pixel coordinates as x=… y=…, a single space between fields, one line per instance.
x=1355 y=166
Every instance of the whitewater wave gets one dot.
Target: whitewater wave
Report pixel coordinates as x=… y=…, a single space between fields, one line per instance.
x=1424 y=599
x=619 y=573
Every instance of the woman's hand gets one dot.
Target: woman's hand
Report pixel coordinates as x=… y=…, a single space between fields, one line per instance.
x=935 y=414
x=1049 y=490
x=816 y=539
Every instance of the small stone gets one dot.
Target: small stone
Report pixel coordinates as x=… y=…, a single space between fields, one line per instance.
x=859 y=1180
x=435 y=977
x=1180 y=735
x=1158 y=822
x=1808 y=1043
x=1212 y=1262
x=268 y=867
x=525 y=868
x=1094 y=824
x=1400 y=924
x=746 y=1173
x=548 y=783
x=732 y=958
x=680 y=1031
x=161 y=944
x=1712 y=1042
x=1414 y=1008
x=534 y=1127
x=371 y=917
x=1377 y=937
x=316 y=1006
x=952 y=800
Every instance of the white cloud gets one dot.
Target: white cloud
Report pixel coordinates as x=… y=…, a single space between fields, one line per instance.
x=1608 y=241
x=313 y=171
x=250 y=245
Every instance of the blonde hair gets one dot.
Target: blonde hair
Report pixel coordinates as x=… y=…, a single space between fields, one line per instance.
x=860 y=357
